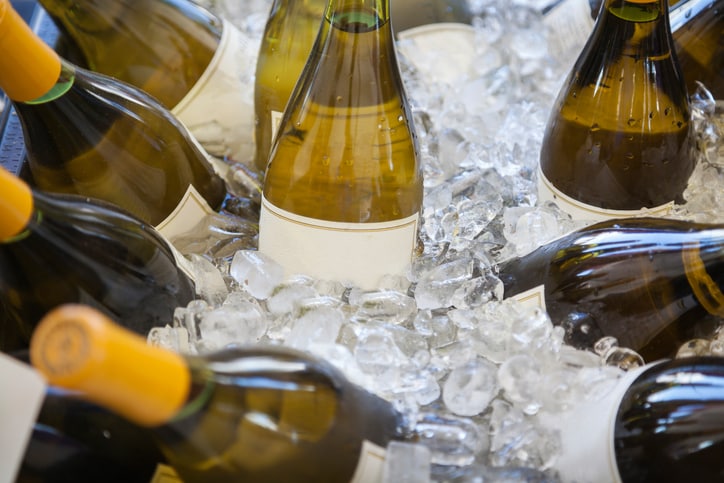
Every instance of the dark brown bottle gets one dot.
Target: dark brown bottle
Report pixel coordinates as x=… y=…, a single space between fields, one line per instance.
x=661 y=423
x=619 y=139
x=652 y=283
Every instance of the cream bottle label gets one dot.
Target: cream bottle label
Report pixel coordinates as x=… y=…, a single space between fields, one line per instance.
x=534 y=298
x=360 y=253
x=570 y=25
x=371 y=464
x=441 y=52
x=219 y=108
x=587 y=435
x=23 y=394
x=584 y=212
x=276 y=120
x=369 y=467
x=190 y=211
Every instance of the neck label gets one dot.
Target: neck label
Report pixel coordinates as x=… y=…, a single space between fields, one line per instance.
x=371 y=464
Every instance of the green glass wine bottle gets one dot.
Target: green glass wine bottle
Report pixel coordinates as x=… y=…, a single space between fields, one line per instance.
x=93 y=135
x=652 y=283
x=57 y=249
x=183 y=55
x=290 y=31
x=343 y=188
x=240 y=414
x=619 y=140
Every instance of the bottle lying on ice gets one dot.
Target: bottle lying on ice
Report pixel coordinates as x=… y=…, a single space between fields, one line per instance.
x=52 y=436
x=57 y=249
x=652 y=283
x=177 y=51
x=661 y=423
x=240 y=414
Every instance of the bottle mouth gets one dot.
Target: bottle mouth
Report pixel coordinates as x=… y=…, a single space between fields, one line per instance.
x=638 y=11
x=79 y=348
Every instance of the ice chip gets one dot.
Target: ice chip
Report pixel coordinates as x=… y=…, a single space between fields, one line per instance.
x=452 y=441
x=436 y=287
x=406 y=463
x=210 y=283
x=234 y=323
x=256 y=272
x=469 y=388
x=317 y=324
x=384 y=305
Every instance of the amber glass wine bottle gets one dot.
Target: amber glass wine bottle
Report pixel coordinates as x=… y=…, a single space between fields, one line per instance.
x=343 y=188
x=92 y=135
x=661 y=423
x=698 y=27
x=652 y=283
x=619 y=138
x=241 y=414
x=290 y=31
x=175 y=50
x=57 y=249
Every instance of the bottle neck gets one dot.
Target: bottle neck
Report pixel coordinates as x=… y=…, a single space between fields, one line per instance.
x=358 y=15
x=29 y=68
x=78 y=348
x=637 y=10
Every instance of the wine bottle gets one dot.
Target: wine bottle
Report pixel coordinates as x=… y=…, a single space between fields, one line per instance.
x=652 y=283
x=619 y=141
x=74 y=440
x=695 y=27
x=56 y=249
x=659 y=423
x=343 y=188
x=290 y=31
x=240 y=414
x=69 y=438
x=698 y=27
x=90 y=134
x=186 y=57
